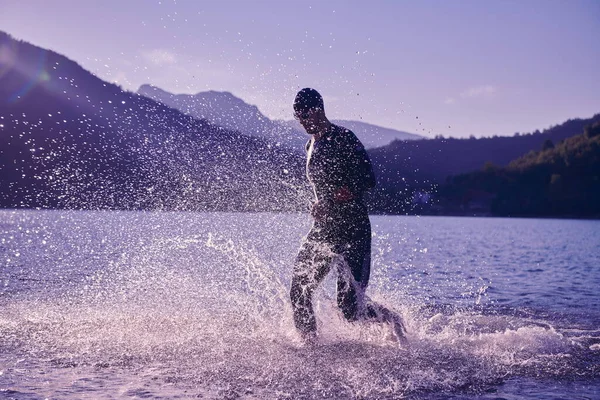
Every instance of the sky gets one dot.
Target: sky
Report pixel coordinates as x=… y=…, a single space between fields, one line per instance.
x=451 y=68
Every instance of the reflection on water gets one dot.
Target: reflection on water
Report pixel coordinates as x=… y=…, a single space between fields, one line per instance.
x=105 y=304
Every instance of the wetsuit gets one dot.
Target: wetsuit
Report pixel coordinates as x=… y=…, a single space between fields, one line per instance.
x=336 y=160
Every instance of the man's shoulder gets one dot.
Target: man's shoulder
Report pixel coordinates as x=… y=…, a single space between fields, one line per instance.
x=338 y=129
x=343 y=133
x=346 y=136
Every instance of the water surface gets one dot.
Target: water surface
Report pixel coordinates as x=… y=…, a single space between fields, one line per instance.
x=187 y=305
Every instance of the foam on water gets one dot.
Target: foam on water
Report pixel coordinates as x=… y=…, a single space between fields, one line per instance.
x=208 y=315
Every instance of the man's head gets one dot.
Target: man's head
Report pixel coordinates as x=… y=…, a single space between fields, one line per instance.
x=309 y=110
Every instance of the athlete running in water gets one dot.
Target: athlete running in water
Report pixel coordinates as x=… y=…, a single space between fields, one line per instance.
x=340 y=172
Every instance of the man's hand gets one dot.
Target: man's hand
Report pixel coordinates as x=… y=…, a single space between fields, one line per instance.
x=321 y=209
x=342 y=195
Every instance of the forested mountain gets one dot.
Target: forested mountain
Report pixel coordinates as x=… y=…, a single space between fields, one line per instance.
x=410 y=173
x=558 y=180
x=71 y=140
x=421 y=161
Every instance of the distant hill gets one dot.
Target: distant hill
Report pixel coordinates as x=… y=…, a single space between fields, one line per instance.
x=228 y=111
x=224 y=109
x=558 y=180
x=71 y=140
x=408 y=169
x=420 y=161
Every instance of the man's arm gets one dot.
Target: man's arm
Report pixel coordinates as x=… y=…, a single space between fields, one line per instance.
x=359 y=169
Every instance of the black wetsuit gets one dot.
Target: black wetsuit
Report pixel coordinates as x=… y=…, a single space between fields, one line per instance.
x=336 y=160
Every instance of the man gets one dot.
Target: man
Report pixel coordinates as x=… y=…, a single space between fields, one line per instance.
x=340 y=172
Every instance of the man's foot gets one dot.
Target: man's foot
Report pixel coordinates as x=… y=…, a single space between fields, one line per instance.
x=399 y=331
x=397 y=325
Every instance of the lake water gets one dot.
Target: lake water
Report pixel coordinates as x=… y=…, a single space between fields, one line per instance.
x=195 y=305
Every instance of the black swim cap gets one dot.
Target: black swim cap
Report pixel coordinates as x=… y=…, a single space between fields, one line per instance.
x=308 y=99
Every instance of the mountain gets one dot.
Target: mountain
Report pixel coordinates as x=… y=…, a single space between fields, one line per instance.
x=228 y=111
x=558 y=180
x=434 y=160
x=409 y=169
x=224 y=109
x=70 y=140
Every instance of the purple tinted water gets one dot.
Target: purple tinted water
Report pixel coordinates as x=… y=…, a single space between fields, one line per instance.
x=184 y=305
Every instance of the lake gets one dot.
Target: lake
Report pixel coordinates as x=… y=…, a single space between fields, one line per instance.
x=195 y=305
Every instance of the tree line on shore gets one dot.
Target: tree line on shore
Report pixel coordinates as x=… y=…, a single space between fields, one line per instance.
x=561 y=180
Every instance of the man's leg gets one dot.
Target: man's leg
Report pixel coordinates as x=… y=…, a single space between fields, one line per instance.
x=311 y=267
x=353 y=277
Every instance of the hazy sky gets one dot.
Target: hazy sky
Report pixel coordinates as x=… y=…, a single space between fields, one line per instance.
x=455 y=68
